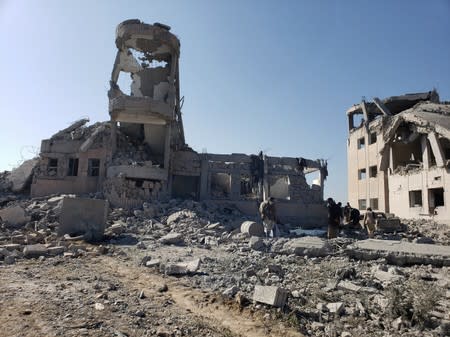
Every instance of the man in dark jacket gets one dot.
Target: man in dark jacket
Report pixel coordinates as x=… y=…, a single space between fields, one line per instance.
x=334 y=215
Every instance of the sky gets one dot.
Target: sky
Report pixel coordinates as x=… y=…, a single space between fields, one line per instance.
x=276 y=76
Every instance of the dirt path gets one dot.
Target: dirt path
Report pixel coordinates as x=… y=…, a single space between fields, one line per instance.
x=202 y=304
x=99 y=296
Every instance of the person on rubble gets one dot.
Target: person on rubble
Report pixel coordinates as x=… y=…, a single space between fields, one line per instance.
x=341 y=214
x=352 y=216
x=334 y=215
x=268 y=215
x=369 y=222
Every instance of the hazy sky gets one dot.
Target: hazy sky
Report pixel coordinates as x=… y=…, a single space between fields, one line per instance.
x=275 y=76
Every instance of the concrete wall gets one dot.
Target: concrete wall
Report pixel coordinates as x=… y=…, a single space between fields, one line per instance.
x=364 y=158
x=61 y=183
x=401 y=185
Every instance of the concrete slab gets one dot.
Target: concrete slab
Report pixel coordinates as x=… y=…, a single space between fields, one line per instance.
x=389 y=225
x=400 y=252
x=83 y=216
x=14 y=215
x=20 y=177
x=274 y=296
x=308 y=245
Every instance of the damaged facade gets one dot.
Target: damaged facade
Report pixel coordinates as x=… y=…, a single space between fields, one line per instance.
x=399 y=154
x=141 y=155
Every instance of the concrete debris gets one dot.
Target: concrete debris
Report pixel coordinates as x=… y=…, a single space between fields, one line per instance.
x=389 y=225
x=400 y=252
x=85 y=217
x=308 y=245
x=182 y=268
x=32 y=251
x=14 y=215
x=230 y=292
x=230 y=267
x=335 y=308
x=172 y=239
x=20 y=177
x=252 y=228
x=271 y=295
x=256 y=243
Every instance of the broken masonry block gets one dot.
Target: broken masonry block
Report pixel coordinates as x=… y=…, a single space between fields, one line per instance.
x=252 y=228
x=271 y=295
x=83 y=216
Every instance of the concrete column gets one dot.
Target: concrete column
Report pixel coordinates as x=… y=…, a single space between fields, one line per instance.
x=113 y=137
x=167 y=147
x=391 y=160
x=426 y=166
x=322 y=180
x=436 y=148
x=167 y=187
x=235 y=182
x=204 y=177
x=425 y=152
x=266 y=180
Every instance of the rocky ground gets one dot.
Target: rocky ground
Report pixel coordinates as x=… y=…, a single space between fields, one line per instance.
x=184 y=268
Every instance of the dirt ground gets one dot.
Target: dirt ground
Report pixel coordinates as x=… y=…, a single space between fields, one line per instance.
x=110 y=296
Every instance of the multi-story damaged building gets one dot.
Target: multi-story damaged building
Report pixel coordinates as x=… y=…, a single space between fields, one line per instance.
x=141 y=154
x=398 y=156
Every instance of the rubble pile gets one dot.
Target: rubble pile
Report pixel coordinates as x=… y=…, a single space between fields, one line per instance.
x=309 y=283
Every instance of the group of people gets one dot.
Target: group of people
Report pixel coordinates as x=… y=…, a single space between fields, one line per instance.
x=338 y=215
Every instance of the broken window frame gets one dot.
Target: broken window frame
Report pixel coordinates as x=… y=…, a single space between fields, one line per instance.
x=373 y=202
x=372 y=138
x=362 y=174
x=362 y=204
x=52 y=166
x=432 y=192
x=93 y=170
x=415 y=198
x=361 y=143
x=72 y=168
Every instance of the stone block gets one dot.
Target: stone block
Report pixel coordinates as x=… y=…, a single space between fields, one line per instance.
x=335 y=308
x=308 y=245
x=252 y=228
x=31 y=251
x=172 y=239
x=53 y=251
x=182 y=268
x=271 y=295
x=256 y=243
x=19 y=239
x=11 y=246
x=14 y=215
x=83 y=216
x=389 y=225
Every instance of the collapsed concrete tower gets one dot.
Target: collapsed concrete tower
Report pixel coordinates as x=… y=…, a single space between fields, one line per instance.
x=149 y=118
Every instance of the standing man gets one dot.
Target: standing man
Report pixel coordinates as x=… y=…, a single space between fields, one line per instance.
x=334 y=214
x=369 y=222
x=269 y=217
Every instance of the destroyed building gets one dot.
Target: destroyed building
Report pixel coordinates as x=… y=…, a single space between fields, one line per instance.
x=141 y=155
x=399 y=154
